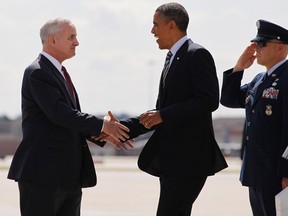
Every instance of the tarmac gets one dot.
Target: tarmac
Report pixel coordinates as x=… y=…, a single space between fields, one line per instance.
x=124 y=190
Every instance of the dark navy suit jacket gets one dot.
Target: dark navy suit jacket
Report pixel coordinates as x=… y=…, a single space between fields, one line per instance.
x=184 y=144
x=53 y=150
x=266 y=125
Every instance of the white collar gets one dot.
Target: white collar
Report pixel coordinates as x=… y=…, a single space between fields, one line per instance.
x=54 y=61
x=275 y=67
x=178 y=44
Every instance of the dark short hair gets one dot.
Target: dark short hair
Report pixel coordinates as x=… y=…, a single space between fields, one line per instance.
x=177 y=13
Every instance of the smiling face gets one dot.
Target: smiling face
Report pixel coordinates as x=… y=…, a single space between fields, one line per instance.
x=162 y=30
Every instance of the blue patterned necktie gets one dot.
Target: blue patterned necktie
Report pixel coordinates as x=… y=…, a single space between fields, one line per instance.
x=166 y=66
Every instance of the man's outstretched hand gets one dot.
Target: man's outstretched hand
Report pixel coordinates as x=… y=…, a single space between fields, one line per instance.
x=114 y=128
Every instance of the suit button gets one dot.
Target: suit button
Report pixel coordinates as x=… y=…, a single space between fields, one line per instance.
x=247 y=138
x=248 y=124
x=253 y=111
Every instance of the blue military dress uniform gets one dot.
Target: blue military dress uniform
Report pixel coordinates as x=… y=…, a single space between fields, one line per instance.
x=266 y=105
x=266 y=139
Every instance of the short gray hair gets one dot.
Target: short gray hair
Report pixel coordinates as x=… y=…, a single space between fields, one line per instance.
x=52 y=27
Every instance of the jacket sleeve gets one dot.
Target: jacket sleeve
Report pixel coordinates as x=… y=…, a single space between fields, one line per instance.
x=233 y=94
x=135 y=127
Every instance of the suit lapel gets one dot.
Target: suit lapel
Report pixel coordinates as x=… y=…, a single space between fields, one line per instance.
x=175 y=62
x=177 y=58
x=60 y=79
x=255 y=88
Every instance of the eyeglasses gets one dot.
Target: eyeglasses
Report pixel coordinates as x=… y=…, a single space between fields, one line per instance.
x=261 y=44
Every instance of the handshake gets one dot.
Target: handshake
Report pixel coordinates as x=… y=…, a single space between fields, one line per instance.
x=117 y=134
x=114 y=132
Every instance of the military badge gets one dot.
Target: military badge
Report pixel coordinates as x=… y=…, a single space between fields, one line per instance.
x=275 y=82
x=270 y=93
x=247 y=99
x=268 y=110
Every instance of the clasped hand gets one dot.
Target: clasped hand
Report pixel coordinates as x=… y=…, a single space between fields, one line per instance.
x=151 y=118
x=115 y=133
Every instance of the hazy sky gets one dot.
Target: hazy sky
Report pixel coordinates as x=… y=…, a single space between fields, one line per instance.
x=118 y=63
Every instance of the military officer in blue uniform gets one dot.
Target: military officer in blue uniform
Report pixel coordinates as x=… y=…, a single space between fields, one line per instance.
x=265 y=100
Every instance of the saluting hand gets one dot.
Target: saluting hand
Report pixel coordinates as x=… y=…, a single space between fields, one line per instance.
x=246 y=59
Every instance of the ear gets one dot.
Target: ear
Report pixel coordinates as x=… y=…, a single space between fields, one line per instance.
x=172 y=24
x=51 y=39
x=280 y=48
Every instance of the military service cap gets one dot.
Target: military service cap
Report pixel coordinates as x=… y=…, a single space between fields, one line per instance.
x=270 y=31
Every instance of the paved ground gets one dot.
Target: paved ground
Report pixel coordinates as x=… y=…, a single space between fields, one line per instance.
x=123 y=190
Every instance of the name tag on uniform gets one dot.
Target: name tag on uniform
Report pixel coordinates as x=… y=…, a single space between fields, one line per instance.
x=270 y=93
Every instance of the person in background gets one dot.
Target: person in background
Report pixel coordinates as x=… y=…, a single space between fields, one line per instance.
x=182 y=151
x=53 y=161
x=265 y=99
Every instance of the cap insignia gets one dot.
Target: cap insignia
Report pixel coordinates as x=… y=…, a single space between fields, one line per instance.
x=258 y=24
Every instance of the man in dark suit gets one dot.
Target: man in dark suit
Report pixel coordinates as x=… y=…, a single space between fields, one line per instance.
x=53 y=161
x=265 y=99
x=182 y=150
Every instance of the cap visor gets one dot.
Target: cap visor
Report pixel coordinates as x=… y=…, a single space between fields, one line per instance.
x=257 y=39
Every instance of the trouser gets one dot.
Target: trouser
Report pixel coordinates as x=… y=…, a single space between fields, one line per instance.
x=177 y=194
x=36 y=200
x=262 y=201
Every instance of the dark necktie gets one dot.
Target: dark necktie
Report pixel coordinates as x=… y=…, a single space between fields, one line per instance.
x=257 y=85
x=166 y=66
x=261 y=81
x=265 y=76
x=69 y=84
